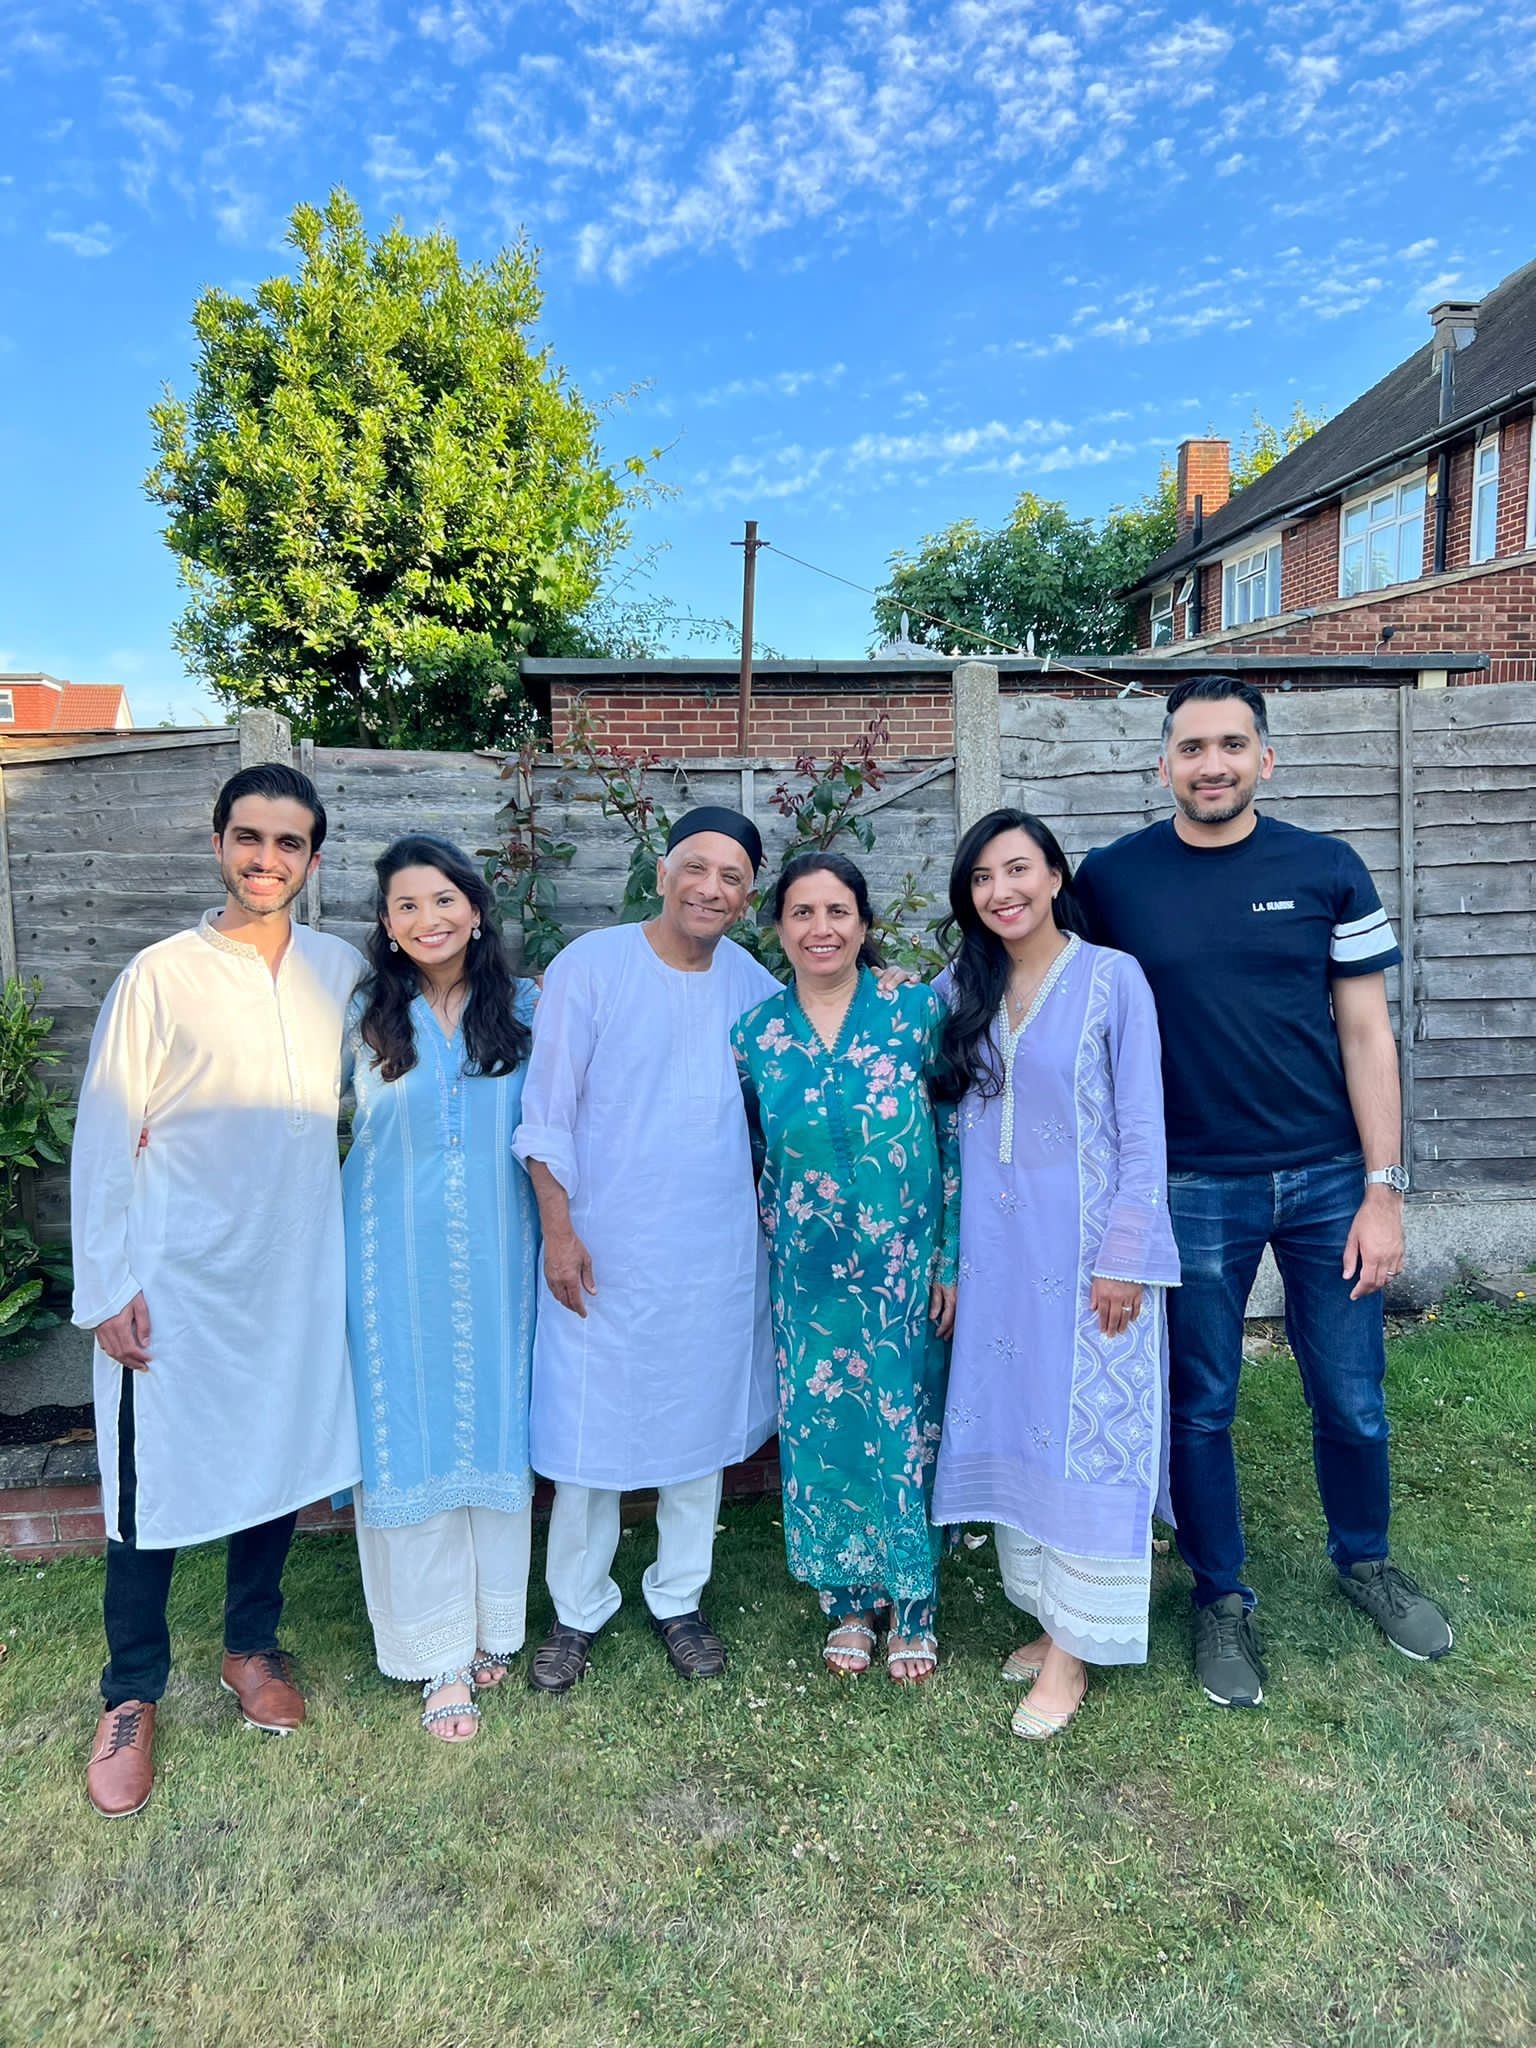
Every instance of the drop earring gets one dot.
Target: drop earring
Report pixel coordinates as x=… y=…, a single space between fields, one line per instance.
x=475 y=933
x=393 y=947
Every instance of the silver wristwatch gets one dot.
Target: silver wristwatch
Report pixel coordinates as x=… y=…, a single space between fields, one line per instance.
x=1393 y=1177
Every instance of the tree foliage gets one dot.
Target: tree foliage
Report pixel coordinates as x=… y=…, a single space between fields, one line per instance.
x=381 y=490
x=1046 y=581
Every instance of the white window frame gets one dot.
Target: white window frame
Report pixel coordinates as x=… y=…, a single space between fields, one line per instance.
x=1483 y=542
x=1530 y=493
x=1162 y=616
x=1184 y=600
x=7 y=708
x=1240 y=572
x=1378 y=523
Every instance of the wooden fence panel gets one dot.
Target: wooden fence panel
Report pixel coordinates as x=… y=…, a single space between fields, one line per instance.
x=105 y=849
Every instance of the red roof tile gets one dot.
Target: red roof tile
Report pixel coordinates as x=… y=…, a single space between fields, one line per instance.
x=42 y=703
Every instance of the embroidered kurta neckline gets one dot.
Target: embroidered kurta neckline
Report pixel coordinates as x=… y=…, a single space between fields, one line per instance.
x=1011 y=1039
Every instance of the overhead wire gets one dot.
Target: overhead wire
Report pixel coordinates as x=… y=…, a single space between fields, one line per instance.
x=1047 y=661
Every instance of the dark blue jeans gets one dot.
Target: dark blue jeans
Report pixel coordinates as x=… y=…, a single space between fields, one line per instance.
x=139 y=1587
x=1222 y=1224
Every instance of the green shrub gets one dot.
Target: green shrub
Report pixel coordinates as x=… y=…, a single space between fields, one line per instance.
x=35 y=1125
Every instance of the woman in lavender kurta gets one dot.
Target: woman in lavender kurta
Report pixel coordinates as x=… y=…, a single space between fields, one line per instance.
x=1055 y=1424
x=859 y=1196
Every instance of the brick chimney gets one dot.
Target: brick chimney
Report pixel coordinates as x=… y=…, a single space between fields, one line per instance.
x=1205 y=472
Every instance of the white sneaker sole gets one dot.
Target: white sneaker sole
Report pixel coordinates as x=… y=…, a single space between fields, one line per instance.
x=1426 y=1656
x=1216 y=1699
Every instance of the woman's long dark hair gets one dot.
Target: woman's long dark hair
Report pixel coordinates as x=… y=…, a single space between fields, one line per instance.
x=494 y=1041
x=979 y=962
x=841 y=869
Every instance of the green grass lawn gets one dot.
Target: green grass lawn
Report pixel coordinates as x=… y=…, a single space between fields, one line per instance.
x=783 y=1858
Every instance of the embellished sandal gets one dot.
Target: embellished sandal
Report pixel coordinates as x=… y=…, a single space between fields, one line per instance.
x=1031 y=1725
x=482 y=1664
x=857 y=1656
x=468 y=1711
x=920 y=1649
x=1022 y=1666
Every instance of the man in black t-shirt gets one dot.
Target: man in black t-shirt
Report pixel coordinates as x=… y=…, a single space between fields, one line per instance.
x=1266 y=948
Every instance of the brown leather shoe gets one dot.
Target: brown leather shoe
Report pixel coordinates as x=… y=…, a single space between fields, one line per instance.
x=121 y=1773
x=263 y=1684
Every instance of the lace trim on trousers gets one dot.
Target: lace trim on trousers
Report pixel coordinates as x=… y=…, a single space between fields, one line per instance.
x=1093 y=1607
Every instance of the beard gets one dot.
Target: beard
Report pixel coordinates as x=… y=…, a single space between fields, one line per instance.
x=258 y=906
x=1220 y=808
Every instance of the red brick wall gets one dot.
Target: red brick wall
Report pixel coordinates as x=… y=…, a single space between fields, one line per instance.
x=1491 y=612
x=1514 y=486
x=1458 y=532
x=1309 y=561
x=1210 y=599
x=694 y=725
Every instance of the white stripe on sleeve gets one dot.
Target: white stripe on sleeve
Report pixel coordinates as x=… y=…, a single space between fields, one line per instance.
x=1363 y=938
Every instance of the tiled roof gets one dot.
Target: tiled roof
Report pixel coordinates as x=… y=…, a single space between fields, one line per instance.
x=1393 y=417
x=42 y=703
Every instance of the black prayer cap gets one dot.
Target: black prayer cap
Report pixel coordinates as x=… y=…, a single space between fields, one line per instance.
x=716 y=818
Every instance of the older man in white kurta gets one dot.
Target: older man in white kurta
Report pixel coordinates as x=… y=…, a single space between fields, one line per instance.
x=653 y=1356
x=208 y=1259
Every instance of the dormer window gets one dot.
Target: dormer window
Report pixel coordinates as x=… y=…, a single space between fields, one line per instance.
x=1162 y=616
x=7 y=708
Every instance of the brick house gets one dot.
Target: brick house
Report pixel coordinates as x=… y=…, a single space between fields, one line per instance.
x=1408 y=520
x=35 y=704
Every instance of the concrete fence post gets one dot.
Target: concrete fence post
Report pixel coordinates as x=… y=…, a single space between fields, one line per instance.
x=265 y=736
x=978 y=743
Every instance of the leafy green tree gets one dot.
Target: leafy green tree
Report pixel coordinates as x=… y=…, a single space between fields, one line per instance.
x=1263 y=445
x=1047 y=581
x=382 y=491
x=1044 y=581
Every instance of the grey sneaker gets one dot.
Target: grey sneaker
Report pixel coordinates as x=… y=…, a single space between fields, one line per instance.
x=1227 y=1660
x=1409 y=1619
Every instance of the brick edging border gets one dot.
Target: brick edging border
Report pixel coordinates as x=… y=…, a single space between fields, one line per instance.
x=39 y=1524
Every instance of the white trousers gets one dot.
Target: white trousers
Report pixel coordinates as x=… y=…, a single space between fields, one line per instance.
x=584 y=1535
x=441 y=1589
x=1094 y=1608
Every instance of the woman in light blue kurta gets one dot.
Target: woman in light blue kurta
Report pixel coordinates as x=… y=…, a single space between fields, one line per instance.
x=442 y=1249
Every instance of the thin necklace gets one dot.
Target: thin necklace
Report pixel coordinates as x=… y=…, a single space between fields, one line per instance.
x=1018 y=1002
x=445 y=1007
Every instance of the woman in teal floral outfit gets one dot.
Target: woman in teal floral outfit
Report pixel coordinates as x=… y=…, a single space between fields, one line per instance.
x=859 y=1192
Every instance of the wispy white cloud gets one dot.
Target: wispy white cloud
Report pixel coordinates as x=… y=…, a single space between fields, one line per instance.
x=95 y=240
x=775 y=384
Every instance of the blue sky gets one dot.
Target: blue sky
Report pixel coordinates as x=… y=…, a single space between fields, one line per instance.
x=874 y=267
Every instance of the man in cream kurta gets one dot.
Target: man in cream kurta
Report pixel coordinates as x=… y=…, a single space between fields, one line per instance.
x=209 y=1262
x=652 y=1362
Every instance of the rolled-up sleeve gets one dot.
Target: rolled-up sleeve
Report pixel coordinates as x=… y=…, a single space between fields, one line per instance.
x=1138 y=1242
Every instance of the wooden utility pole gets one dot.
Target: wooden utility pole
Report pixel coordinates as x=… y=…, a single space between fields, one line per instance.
x=749 y=547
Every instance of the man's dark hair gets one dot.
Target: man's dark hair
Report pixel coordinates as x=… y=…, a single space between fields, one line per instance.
x=1213 y=690
x=271 y=779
